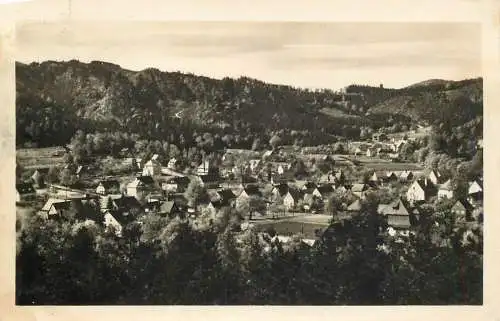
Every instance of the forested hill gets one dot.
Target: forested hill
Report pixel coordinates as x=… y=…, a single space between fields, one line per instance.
x=56 y=98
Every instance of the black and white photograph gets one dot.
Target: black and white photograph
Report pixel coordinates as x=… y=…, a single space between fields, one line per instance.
x=248 y=163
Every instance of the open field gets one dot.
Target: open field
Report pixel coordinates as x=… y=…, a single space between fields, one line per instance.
x=40 y=157
x=289 y=228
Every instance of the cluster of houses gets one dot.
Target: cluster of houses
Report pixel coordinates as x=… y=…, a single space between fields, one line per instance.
x=267 y=183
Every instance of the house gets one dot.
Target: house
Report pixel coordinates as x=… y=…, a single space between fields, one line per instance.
x=140 y=186
x=209 y=180
x=59 y=208
x=79 y=171
x=279 y=191
x=396 y=147
x=327 y=179
x=475 y=191
x=152 y=167
x=391 y=177
x=116 y=220
x=307 y=187
x=323 y=191
x=25 y=192
x=216 y=205
x=463 y=210
x=203 y=168
x=126 y=204
x=435 y=177
x=420 y=191
x=292 y=198
x=359 y=190
x=254 y=165
x=406 y=176
x=371 y=152
x=177 y=184
x=376 y=177
x=108 y=187
x=173 y=163
x=250 y=190
x=226 y=194
x=399 y=214
x=170 y=209
x=38 y=177
x=139 y=162
x=445 y=190
x=354 y=206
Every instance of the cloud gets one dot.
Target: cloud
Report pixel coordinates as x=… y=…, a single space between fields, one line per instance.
x=269 y=50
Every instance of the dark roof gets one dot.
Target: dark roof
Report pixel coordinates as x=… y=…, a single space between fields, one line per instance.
x=62 y=205
x=282 y=188
x=111 y=183
x=226 y=194
x=309 y=185
x=398 y=207
x=169 y=207
x=181 y=180
x=325 y=189
x=210 y=178
x=359 y=187
x=147 y=180
x=122 y=217
x=296 y=194
x=354 y=206
x=463 y=204
x=218 y=204
x=127 y=202
x=25 y=188
x=252 y=190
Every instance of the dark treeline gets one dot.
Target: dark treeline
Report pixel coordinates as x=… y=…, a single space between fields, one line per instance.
x=210 y=260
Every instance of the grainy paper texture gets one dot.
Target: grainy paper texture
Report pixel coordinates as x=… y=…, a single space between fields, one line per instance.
x=121 y=25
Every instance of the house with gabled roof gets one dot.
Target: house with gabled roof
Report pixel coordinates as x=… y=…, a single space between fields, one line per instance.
x=279 y=191
x=25 y=192
x=106 y=187
x=116 y=220
x=360 y=190
x=176 y=184
x=406 y=176
x=170 y=209
x=173 y=163
x=152 y=167
x=140 y=186
x=354 y=206
x=226 y=194
x=292 y=198
x=204 y=168
x=306 y=186
x=400 y=215
x=435 y=177
x=126 y=203
x=420 y=191
x=462 y=210
x=445 y=190
x=323 y=191
x=475 y=191
x=59 y=208
x=39 y=175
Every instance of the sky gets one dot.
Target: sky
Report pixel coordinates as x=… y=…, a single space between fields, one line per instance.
x=302 y=54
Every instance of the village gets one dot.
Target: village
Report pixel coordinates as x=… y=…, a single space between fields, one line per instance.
x=263 y=187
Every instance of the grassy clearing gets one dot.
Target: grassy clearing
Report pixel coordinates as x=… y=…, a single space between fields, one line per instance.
x=40 y=157
x=289 y=228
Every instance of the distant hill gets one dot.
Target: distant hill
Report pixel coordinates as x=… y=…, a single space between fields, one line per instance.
x=56 y=98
